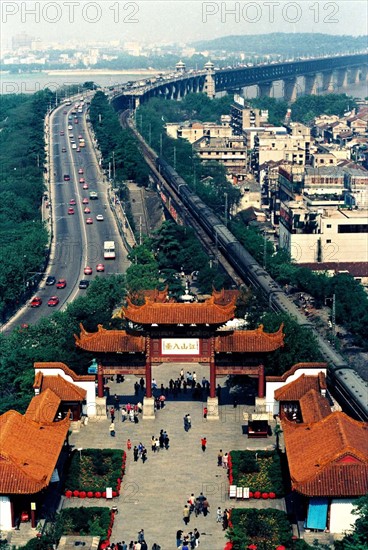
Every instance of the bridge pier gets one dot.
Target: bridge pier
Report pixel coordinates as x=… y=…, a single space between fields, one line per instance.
x=209 y=84
x=354 y=75
x=328 y=84
x=264 y=89
x=310 y=84
x=364 y=73
x=290 y=89
x=342 y=78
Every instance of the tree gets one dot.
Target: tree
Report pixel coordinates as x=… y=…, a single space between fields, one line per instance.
x=358 y=539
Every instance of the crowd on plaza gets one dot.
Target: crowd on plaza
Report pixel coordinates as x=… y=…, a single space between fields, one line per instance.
x=139 y=544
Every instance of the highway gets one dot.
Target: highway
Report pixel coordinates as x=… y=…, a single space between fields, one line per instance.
x=75 y=244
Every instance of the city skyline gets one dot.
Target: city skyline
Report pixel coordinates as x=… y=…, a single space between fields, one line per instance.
x=178 y=22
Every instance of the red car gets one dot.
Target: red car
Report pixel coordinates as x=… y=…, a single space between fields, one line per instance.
x=66 y=177
x=80 y=171
x=53 y=301
x=72 y=202
x=100 y=268
x=88 y=270
x=70 y=210
x=35 y=302
x=89 y=221
x=78 y=150
x=82 y=180
x=85 y=200
x=87 y=210
x=61 y=283
x=85 y=186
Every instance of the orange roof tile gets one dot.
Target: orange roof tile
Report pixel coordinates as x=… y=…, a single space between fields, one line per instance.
x=329 y=457
x=43 y=407
x=223 y=296
x=314 y=407
x=109 y=341
x=66 y=369
x=250 y=341
x=66 y=391
x=28 y=452
x=154 y=295
x=179 y=313
x=299 y=387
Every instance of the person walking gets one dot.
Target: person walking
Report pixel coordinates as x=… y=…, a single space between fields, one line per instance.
x=189 y=421
x=225 y=461
x=219 y=457
x=186 y=514
x=179 y=534
x=124 y=414
x=219 y=515
x=144 y=545
x=205 y=507
x=205 y=412
x=153 y=444
x=141 y=535
x=129 y=444
x=135 y=453
x=225 y=520
x=204 y=443
x=144 y=455
x=197 y=536
x=112 y=429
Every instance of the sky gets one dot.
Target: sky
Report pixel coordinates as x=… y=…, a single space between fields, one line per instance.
x=175 y=21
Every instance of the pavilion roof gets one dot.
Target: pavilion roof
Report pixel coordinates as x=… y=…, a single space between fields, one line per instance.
x=299 y=387
x=250 y=341
x=207 y=313
x=65 y=390
x=43 y=407
x=54 y=365
x=109 y=341
x=328 y=457
x=29 y=452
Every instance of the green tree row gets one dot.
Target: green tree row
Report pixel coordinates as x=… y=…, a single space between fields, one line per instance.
x=22 y=159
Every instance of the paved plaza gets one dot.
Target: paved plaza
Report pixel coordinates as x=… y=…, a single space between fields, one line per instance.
x=154 y=493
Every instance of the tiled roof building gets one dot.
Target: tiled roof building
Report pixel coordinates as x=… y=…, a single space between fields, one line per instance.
x=109 y=341
x=329 y=457
x=250 y=341
x=43 y=407
x=29 y=451
x=299 y=387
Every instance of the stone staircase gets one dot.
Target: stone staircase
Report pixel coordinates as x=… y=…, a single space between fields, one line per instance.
x=20 y=537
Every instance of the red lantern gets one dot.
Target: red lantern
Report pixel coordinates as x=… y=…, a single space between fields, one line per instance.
x=82 y=494
x=90 y=494
x=97 y=494
x=271 y=495
x=257 y=494
x=280 y=547
x=76 y=493
x=265 y=495
x=251 y=495
x=103 y=494
x=68 y=494
x=114 y=494
x=252 y=547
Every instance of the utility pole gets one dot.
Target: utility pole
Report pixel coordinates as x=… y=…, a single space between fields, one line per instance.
x=109 y=171
x=226 y=207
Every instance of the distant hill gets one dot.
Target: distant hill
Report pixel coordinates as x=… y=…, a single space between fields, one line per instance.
x=284 y=44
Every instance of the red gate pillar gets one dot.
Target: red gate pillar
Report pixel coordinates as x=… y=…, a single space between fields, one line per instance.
x=100 y=381
x=261 y=381
x=148 y=368
x=33 y=515
x=212 y=369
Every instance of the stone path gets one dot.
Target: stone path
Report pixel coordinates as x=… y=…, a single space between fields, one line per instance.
x=153 y=494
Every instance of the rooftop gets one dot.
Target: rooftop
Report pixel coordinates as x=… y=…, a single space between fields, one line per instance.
x=64 y=390
x=250 y=341
x=299 y=387
x=109 y=341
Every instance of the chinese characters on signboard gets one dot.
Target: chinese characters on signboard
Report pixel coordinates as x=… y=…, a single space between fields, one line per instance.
x=180 y=346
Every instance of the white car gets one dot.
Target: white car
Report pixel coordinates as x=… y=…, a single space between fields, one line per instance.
x=99 y=218
x=74 y=145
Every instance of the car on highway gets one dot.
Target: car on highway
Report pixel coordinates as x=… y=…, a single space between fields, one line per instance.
x=63 y=150
x=93 y=195
x=53 y=301
x=70 y=127
x=51 y=280
x=62 y=132
x=85 y=186
x=72 y=202
x=99 y=218
x=78 y=150
x=87 y=270
x=83 y=283
x=74 y=145
x=65 y=112
x=70 y=210
x=82 y=180
x=87 y=210
x=85 y=200
x=66 y=177
x=61 y=283
x=89 y=221
x=80 y=171
x=35 y=302
x=100 y=268
x=80 y=136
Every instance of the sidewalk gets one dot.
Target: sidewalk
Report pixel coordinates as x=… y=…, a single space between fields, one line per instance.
x=153 y=494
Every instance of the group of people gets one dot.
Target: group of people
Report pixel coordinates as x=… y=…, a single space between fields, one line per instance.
x=185 y=541
x=223 y=517
x=140 y=451
x=128 y=411
x=223 y=460
x=187 y=422
x=197 y=505
x=160 y=442
x=139 y=544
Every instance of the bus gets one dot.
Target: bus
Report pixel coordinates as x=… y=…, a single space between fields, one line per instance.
x=109 y=250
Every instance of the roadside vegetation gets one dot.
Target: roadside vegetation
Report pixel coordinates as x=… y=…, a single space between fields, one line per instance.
x=22 y=158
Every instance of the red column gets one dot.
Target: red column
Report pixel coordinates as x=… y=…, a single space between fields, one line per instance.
x=148 y=368
x=261 y=381
x=12 y=513
x=33 y=519
x=212 y=369
x=100 y=381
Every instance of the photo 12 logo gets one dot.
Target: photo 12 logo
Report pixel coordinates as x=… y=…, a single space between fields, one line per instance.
x=69 y=12
x=270 y=12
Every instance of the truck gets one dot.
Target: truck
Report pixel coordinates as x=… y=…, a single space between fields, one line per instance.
x=93 y=196
x=109 y=250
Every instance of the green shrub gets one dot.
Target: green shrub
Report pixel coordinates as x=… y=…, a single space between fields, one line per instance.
x=94 y=469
